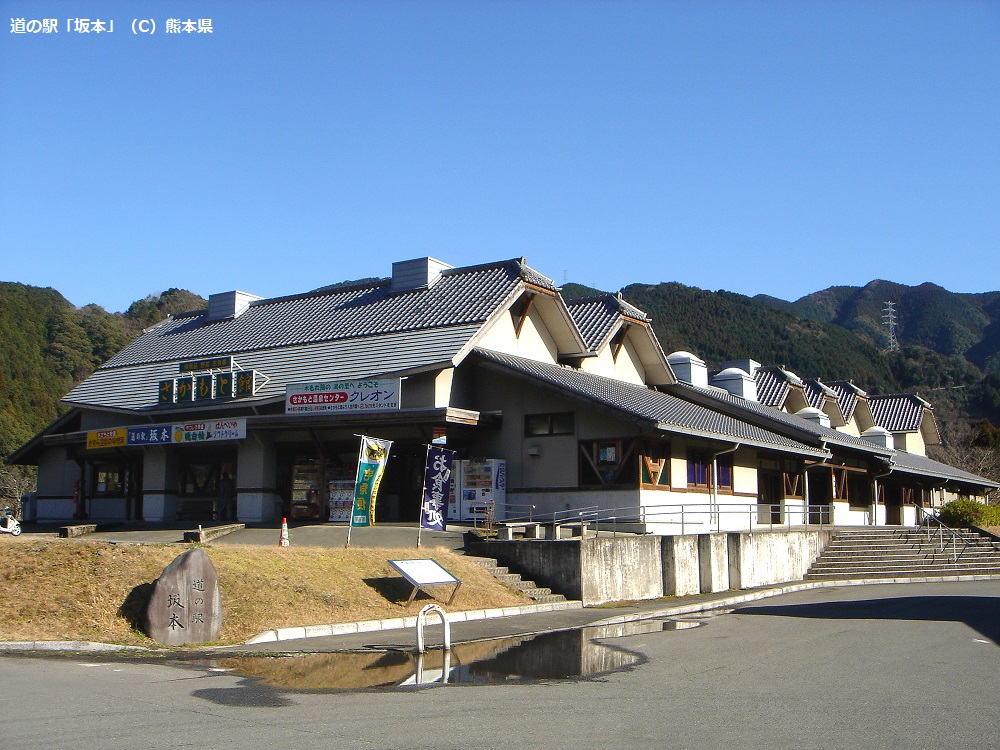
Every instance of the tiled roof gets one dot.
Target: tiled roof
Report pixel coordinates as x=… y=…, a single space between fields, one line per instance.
x=596 y=317
x=912 y=463
x=775 y=419
x=898 y=412
x=848 y=395
x=665 y=411
x=460 y=297
x=772 y=386
x=818 y=393
x=135 y=387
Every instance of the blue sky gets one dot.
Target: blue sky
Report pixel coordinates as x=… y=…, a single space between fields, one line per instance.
x=759 y=147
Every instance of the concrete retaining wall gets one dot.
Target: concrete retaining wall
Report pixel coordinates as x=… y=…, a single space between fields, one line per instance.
x=628 y=568
x=757 y=559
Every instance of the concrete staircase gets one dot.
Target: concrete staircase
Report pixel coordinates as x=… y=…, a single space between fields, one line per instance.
x=529 y=588
x=904 y=553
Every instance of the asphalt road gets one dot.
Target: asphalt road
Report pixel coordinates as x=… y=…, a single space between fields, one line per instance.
x=888 y=666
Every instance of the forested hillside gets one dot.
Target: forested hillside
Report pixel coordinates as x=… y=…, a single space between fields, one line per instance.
x=47 y=345
x=964 y=325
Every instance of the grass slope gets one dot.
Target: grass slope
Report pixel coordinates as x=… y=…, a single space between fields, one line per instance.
x=73 y=590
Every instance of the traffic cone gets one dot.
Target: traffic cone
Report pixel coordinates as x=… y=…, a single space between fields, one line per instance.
x=283 y=538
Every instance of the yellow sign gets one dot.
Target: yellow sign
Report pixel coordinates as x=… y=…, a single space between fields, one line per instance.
x=113 y=438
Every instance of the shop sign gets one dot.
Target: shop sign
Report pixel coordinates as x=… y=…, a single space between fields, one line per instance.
x=211 y=430
x=342 y=395
x=208 y=386
x=162 y=434
x=113 y=438
x=184 y=390
x=152 y=434
x=213 y=363
x=223 y=383
x=246 y=383
x=203 y=390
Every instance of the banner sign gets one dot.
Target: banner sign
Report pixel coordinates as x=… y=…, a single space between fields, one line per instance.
x=211 y=430
x=342 y=395
x=371 y=464
x=153 y=434
x=113 y=438
x=437 y=486
x=163 y=434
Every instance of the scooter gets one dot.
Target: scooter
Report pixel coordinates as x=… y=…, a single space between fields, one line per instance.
x=9 y=524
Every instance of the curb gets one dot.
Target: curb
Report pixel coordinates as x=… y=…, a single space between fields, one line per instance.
x=213 y=532
x=402 y=623
x=755 y=595
x=88 y=646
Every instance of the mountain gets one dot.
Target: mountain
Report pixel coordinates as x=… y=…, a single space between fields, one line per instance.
x=720 y=326
x=953 y=324
x=813 y=337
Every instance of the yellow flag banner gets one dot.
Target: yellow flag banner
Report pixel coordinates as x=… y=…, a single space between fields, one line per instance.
x=371 y=465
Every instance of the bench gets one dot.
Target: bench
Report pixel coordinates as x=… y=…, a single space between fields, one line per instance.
x=528 y=529
x=576 y=528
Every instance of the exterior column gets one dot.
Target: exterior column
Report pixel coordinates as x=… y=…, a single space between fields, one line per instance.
x=257 y=500
x=159 y=484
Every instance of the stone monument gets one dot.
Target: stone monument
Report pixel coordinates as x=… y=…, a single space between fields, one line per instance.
x=186 y=606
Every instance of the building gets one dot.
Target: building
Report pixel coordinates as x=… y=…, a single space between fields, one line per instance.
x=576 y=399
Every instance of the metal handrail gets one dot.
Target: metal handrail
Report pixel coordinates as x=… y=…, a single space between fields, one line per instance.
x=935 y=527
x=692 y=514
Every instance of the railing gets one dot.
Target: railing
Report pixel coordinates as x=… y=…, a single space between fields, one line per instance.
x=688 y=517
x=946 y=536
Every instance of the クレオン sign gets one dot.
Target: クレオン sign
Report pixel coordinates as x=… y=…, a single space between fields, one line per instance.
x=342 y=395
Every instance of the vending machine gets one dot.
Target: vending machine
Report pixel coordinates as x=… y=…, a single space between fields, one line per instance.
x=478 y=487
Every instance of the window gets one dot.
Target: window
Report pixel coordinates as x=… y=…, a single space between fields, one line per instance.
x=654 y=466
x=200 y=479
x=108 y=479
x=560 y=423
x=699 y=470
x=859 y=490
x=608 y=462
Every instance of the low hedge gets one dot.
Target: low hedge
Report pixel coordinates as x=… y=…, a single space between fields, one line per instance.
x=965 y=512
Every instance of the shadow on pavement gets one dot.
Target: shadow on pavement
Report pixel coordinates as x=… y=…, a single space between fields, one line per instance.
x=981 y=613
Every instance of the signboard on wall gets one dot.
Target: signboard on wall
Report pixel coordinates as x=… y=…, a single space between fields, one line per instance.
x=209 y=430
x=112 y=438
x=342 y=395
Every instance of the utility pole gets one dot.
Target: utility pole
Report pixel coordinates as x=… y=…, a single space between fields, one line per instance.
x=889 y=320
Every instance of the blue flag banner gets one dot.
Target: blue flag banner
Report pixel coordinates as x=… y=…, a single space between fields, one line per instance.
x=371 y=464
x=437 y=486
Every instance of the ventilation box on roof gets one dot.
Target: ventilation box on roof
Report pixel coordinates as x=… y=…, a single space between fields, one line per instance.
x=879 y=436
x=738 y=382
x=815 y=415
x=419 y=273
x=229 y=304
x=689 y=369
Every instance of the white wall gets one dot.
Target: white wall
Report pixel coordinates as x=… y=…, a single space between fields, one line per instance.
x=534 y=342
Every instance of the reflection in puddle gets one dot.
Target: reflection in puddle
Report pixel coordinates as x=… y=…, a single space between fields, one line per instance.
x=551 y=656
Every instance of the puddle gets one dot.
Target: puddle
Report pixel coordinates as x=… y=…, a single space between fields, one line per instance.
x=568 y=654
